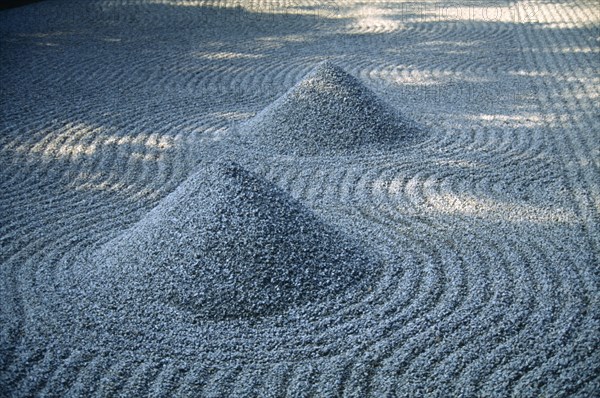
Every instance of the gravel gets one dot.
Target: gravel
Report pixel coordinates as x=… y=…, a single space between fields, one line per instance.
x=226 y=245
x=194 y=203
x=329 y=112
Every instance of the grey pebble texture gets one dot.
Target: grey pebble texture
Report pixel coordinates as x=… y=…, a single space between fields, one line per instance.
x=298 y=198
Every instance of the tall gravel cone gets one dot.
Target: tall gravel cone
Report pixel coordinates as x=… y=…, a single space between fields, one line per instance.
x=228 y=245
x=328 y=112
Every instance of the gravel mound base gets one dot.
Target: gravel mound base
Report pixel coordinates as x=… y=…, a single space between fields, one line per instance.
x=328 y=112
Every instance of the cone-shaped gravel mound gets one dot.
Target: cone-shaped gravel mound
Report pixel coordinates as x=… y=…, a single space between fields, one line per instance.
x=227 y=244
x=328 y=112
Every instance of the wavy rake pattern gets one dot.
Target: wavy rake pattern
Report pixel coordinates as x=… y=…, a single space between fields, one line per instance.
x=489 y=227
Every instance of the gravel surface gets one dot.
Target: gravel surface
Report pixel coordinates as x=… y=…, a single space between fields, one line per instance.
x=299 y=198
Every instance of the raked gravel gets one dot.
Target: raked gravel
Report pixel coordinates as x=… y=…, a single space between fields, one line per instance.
x=299 y=198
